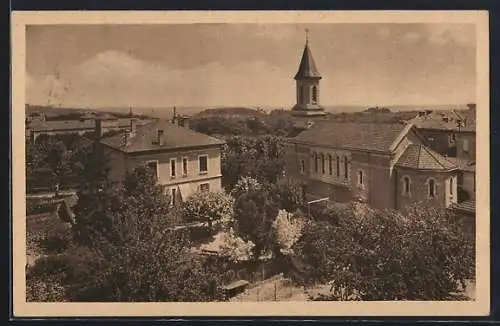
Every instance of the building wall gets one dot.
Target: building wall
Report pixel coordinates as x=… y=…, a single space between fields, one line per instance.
x=306 y=86
x=188 y=183
x=419 y=188
x=464 y=153
x=468 y=183
x=441 y=141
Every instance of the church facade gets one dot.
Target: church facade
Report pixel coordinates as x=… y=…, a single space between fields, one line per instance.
x=384 y=165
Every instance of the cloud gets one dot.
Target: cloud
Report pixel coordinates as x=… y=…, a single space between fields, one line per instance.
x=114 y=78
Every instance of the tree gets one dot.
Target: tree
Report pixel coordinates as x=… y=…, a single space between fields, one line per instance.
x=208 y=207
x=139 y=255
x=386 y=255
x=244 y=185
x=255 y=213
x=289 y=195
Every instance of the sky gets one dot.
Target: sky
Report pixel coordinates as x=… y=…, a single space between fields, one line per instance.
x=248 y=64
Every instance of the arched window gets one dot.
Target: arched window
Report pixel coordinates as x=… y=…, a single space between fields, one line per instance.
x=338 y=166
x=451 y=186
x=301 y=94
x=315 y=158
x=346 y=167
x=432 y=188
x=314 y=95
x=330 y=164
x=322 y=163
x=406 y=185
x=360 y=177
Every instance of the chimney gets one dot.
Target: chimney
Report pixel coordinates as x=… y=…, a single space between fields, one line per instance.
x=472 y=106
x=98 y=129
x=160 y=140
x=183 y=122
x=133 y=126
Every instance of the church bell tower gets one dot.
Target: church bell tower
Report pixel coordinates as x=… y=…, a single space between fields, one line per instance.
x=307 y=81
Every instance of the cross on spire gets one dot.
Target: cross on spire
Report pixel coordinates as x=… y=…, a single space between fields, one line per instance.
x=307 y=35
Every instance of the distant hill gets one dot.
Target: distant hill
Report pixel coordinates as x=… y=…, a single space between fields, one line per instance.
x=231 y=112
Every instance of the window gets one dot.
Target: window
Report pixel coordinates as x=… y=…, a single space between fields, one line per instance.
x=172 y=168
x=451 y=186
x=184 y=166
x=314 y=95
x=432 y=188
x=153 y=165
x=346 y=167
x=330 y=164
x=301 y=94
x=338 y=166
x=174 y=193
x=406 y=185
x=315 y=158
x=453 y=137
x=466 y=145
x=205 y=187
x=203 y=161
x=302 y=166
x=323 y=163
x=360 y=177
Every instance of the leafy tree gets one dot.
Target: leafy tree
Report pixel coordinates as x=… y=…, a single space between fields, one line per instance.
x=244 y=185
x=386 y=255
x=138 y=256
x=255 y=213
x=289 y=195
x=209 y=207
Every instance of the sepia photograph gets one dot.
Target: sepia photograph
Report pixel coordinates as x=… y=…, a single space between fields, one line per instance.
x=246 y=163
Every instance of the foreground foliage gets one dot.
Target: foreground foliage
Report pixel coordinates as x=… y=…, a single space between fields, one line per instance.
x=385 y=255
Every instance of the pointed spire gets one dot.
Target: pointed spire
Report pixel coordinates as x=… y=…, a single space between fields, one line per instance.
x=307 y=67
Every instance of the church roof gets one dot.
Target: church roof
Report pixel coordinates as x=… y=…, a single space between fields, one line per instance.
x=307 y=67
x=375 y=137
x=417 y=156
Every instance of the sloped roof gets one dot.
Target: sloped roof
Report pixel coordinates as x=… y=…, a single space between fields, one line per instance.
x=438 y=120
x=175 y=137
x=307 y=67
x=377 y=137
x=468 y=206
x=463 y=164
x=417 y=156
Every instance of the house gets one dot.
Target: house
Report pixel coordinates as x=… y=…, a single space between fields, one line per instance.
x=183 y=161
x=386 y=165
x=439 y=129
x=82 y=126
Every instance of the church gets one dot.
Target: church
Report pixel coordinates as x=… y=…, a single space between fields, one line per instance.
x=384 y=165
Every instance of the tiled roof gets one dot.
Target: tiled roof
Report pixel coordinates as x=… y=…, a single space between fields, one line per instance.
x=463 y=164
x=417 y=156
x=307 y=67
x=440 y=120
x=175 y=137
x=468 y=206
x=377 y=137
